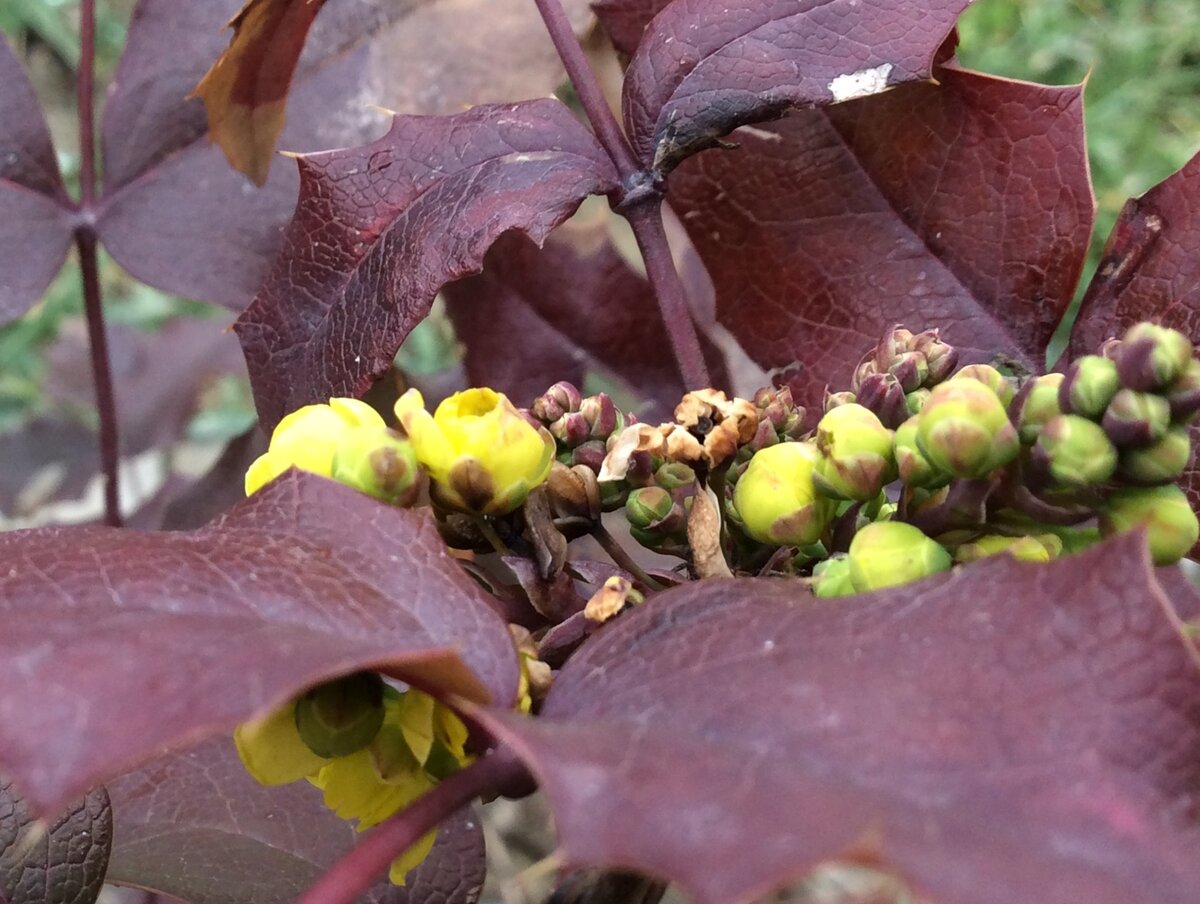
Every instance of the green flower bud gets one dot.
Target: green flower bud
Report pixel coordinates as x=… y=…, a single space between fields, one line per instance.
x=654 y=509
x=1162 y=462
x=837 y=399
x=831 y=578
x=1075 y=452
x=1152 y=356
x=777 y=499
x=891 y=553
x=914 y=468
x=1025 y=549
x=964 y=429
x=675 y=475
x=915 y=400
x=1001 y=385
x=1184 y=394
x=1090 y=384
x=1170 y=524
x=1136 y=419
x=341 y=717
x=378 y=462
x=1034 y=405
x=856 y=454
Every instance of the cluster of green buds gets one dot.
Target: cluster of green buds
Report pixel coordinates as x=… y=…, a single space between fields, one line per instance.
x=372 y=749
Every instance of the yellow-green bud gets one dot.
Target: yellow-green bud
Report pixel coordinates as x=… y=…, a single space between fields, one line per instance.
x=1035 y=404
x=891 y=553
x=655 y=518
x=341 y=717
x=991 y=378
x=1170 y=524
x=837 y=399
x=378 y=462
x=914 y=468
x=915 y=400
x=1161 y=463
x=1152 y=356
x=964 y=429
x=1184 y=394
x=1026 y=549
x=1136 y=419
x=777 y=499
x=831 y=578
x=1090 y=384
x=856 y=452
x=1075 y=452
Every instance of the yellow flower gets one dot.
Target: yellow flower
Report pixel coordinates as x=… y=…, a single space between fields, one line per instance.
x=777 y=497
x=272 y=750
x=482 y=455
x=307 y=438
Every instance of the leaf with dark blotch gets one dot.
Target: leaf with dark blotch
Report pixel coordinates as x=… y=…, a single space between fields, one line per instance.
x=380 y=229
x=136 y=642
x=173 y=212
x=195 y=826
x=36 y=220
x=705 y=67
x=537 y=316
x=625 y=20
x=965 y=207
x=60 y=863
x=245 y=90
x=1007 y=732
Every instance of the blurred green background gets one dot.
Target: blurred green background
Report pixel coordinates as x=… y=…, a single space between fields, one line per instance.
x=1142 y=106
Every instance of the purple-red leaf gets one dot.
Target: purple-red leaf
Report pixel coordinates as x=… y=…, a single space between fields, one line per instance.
x=62 y=863
x=537 y=316
x=175 y=215
x=966 y=206
x=36 y=220
x=705 y=67
x=380 y=229
x=117 y=644
x=196 y=827
x=625 y=20
x=1008 y=732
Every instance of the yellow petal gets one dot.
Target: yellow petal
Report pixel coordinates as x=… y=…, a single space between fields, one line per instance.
x=356 y=413
x=264 y=469
x=411 y=858
x=272 y=751
x=431 y=446
x=355 y=789
x=416 y=711
x=451 y=731
x=307 y=437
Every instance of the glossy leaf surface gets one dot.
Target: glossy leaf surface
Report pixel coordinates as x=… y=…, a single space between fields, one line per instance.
x=138 y=642
x=195 y=826
x=381 y=228
x=1003 y=733
x=625 y=20
x=62 y=863
x=705 y=67
x=966 y=206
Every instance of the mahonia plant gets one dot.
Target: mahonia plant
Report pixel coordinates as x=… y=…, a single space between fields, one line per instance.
x=918 y=605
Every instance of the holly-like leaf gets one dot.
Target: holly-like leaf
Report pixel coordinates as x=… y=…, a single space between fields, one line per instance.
x=245 y=90
x=965 y=206
x=195 y=826
x=60 y=863
x=705 y=67
x=117 y=644
x=380 y=229
x=36 y=220
x=175 y=215
x=625 y=20
x=1008 y=732
x=537 y=316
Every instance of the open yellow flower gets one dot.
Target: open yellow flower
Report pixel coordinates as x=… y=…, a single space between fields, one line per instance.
x=307 y=439
x=481 y=454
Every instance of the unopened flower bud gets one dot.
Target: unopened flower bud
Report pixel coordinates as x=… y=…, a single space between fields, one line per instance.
x=856 y=454
x=865 y=368
x=895 y=342
x=590 y=454
x=655 y=518
x=883 y=395
x=571 y=430
x=1034 y=405
x=556 y=401
x=915 y=400
x=1110 y=348
x=675 y=475
x=1001 y=385
x=1025 y=549
x=573 y=492
x=1184 y=394
x=601 y=415
x=1160 y=463
x=1075 y=452
x=913 y=467
x=891 y=553
x=378 y=462
x=837 y=399
x=964 y=429
x=341 y=717
x=1152 y=356
x=910 y=370
x=1170 y=524
x=777 y=499
x=940 y=358
x=1089 y=385
x=1136 y=419
x=831 y=578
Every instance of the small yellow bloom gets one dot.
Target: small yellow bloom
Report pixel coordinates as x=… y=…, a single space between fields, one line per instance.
x=307 y=438
x=272 y=750
x=482 y=455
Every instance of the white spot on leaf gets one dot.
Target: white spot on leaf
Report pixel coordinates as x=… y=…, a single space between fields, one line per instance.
x=861 y=83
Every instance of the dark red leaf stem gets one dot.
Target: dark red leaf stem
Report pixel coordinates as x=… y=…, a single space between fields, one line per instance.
x=347 y=879
x=646 y=219
x=591 y=95
x=85 y=242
